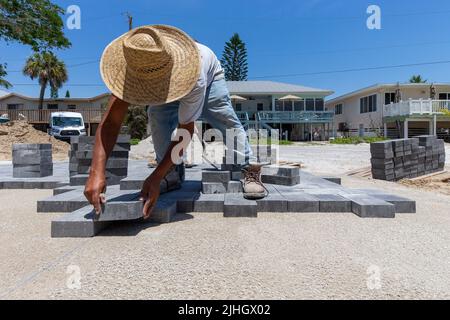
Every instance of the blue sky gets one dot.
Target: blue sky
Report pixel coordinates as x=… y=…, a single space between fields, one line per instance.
x=283 y=37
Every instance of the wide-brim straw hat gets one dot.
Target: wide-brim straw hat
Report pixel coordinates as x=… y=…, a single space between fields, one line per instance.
x=151 y=65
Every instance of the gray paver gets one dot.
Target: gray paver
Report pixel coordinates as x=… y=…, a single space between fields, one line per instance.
x=209 y=203
x=302 y=202
x=366 y=206
x=333 y=203
x=280 y=180
x=213 y=188
x=236 y=206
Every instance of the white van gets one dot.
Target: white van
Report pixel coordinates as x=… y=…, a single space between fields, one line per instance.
x=64 y=125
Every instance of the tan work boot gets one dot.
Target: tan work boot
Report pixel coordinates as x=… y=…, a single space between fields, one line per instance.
x=253 y=187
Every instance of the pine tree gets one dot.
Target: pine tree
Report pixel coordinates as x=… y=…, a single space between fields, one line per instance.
x=67 y=94
x=234 y=59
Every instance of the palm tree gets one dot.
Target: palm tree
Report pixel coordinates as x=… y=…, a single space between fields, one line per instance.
x=48 y=70
x=3 y=82
x=417 y=79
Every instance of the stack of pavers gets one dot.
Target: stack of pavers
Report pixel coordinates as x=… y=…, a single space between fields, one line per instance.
x=81 y=158
x=32 y=160
x=394 y=160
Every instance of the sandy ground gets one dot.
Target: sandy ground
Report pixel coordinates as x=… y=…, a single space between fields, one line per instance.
x=204 y=256
x=277 y=256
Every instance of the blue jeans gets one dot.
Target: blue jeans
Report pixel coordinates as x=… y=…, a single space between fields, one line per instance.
x=217 y=111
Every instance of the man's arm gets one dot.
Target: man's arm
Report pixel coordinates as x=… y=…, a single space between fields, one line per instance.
x=105 y=139
x=150 y=190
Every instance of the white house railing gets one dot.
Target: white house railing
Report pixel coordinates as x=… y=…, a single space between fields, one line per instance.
x=416 y=107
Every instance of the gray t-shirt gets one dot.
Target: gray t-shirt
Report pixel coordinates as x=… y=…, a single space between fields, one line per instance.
x=191 y=105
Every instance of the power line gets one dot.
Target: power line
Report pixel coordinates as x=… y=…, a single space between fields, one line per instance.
x=354 y=70
x=69 y=66
x=292 y=75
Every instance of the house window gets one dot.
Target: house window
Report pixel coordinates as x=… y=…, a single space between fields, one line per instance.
x=260 y=106
x=52 y=106
x=238 y=107
x=309 y=104
x=444 y=96
x=338 y=109
x=278 y=105
x=14 y=106
x=288 y=106
x=320 y=106
x=368 y=104
x=299 y=105
x=389 y=97
x=71 y=107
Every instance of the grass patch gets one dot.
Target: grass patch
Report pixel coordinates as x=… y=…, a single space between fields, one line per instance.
x=268 y=141
x=357 y=140
x=134 y=142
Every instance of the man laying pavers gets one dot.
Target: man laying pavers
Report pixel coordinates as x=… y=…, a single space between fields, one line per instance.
x=181 y=80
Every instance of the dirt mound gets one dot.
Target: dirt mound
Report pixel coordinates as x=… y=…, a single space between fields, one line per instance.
x=22 y=132
x=439 y=182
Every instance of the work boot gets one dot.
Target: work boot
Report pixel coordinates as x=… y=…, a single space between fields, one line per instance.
x=253 y=187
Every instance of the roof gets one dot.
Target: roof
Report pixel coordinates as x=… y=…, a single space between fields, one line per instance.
x=380 y=86
x=271 y=87
x=8 y=95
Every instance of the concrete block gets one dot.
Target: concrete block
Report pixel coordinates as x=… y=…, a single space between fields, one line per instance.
x=27 y=157
x=64 y=189
x=213 y=188
x=231 y=167
x=274 y=202
x=284 y=171
x=65 y=202
x=335 y=180
x=79 y=179
x=237 y=175
x=302 y=202
x=121 y=208
x=278 y=180
x=214 y=176
x=234 y=187
x=235 y=206
x=402 y=205
x=209 y=203
x=78 y=224
x=36 y=146
x=366 y=206
x=333 y=203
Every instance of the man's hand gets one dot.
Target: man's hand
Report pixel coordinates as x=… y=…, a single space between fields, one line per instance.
x=94 y=191
x=150 y=194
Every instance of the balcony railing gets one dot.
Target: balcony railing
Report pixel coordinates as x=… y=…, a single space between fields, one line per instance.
x=43 y=116
x=416 y=107
x=296 y=117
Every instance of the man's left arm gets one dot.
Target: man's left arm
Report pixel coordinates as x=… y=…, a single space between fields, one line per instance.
x=151 y=188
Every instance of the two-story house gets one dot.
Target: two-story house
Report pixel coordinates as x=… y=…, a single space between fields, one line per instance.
x=393 y=110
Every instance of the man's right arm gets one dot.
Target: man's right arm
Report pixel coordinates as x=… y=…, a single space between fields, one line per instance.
x=105 y=139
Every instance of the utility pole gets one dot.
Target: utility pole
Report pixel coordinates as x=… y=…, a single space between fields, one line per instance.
x=130 y=20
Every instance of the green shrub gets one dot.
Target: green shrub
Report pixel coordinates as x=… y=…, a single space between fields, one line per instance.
x=134 y=141
x=356 y=140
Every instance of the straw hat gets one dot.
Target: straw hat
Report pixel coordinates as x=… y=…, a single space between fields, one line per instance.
x=151 y=65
